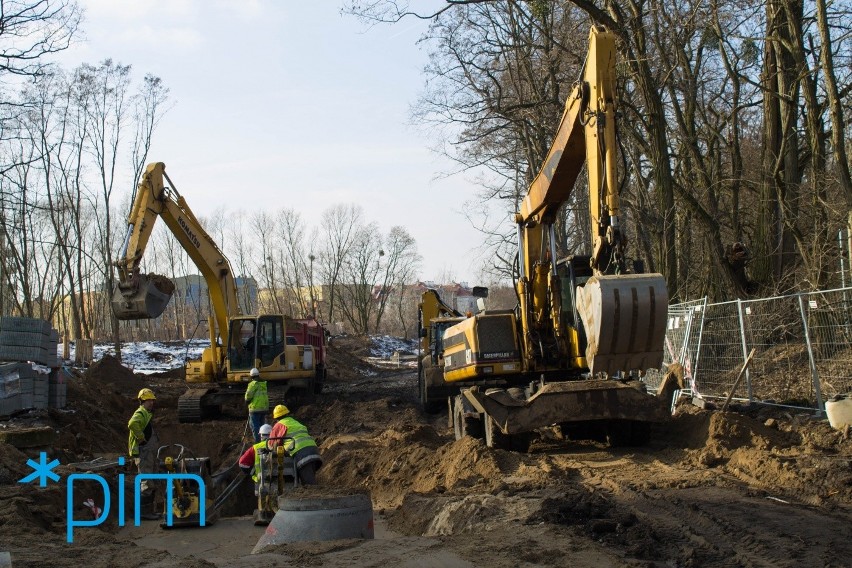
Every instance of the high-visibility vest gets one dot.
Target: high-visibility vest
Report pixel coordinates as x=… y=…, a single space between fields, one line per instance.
x=258 y=447
x=299 y=433
x=257 y=397
x=140 y=430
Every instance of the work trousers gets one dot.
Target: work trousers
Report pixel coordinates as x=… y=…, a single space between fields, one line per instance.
x=146 y=462
x=258 y=419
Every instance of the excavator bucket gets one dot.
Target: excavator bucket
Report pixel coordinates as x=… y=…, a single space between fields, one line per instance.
x=145 y=296
x=625 y=320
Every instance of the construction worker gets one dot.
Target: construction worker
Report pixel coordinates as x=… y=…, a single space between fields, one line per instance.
x=299 y=445
x=250 y=460
x=142 y=447
x=258 y=402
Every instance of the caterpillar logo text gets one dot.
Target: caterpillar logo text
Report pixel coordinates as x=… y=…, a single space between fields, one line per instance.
x=500 y=355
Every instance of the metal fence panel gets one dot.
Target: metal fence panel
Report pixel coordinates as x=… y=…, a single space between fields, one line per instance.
x=683 y=338
x=780 y=371
x=829 y=320
x=802 y=343
x=720 y=351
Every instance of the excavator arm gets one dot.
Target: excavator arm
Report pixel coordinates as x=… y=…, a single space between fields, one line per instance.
x=145 y=296
x=623 y=314
x=586 y=136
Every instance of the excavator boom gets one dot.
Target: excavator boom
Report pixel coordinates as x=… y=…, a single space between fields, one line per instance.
x=145 y=296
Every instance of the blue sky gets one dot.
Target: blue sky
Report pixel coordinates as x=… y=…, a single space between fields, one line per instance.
x=291 y=104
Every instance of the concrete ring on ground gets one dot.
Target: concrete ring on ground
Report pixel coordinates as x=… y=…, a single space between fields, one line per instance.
x=318 y=519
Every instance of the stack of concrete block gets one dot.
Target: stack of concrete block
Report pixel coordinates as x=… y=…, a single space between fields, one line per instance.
x=10 y=392
x=21 y=382
x=22 y=387
x=28 y=339
x=30 y=376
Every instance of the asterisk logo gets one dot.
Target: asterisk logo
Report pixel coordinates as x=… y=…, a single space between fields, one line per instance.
x=42 y=470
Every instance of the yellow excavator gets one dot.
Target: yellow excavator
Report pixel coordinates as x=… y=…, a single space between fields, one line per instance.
x=288 y=352
x=571 y=352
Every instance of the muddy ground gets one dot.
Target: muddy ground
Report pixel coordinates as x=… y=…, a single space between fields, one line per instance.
x=750 y=487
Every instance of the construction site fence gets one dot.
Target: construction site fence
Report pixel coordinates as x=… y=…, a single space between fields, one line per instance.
x=802 y=347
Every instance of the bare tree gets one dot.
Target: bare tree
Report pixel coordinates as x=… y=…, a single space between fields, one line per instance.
x=31 y=246
x=835 y=102
x=341 y=225
x=150 y=103
x=293 y=261
x=31 y=30
x=263 y=229
x=399 y=263
x=28 y=32
x=496 y=84
x=356 y=290
x=239 y=248
x=104 y=93
x=708 y=90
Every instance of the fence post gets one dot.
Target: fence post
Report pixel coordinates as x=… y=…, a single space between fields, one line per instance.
x=697 y=359
x=814 y=374
x=745 y=349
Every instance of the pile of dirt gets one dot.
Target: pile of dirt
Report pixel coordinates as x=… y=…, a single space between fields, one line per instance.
x=345 y=359
x=792 y=456
x=709 y=488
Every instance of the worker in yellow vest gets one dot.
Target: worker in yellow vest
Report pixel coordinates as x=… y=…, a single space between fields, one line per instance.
x=258 y=402
x=250 y=460
x=142 y=448
x=298 y=444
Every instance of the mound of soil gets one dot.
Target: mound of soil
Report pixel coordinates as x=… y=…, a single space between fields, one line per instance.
x=711 y=489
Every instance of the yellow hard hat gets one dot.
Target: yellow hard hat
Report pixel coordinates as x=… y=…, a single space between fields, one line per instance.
x=280 y=411
x=146 y=394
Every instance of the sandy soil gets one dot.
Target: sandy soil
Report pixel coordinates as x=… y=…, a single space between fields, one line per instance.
x=751 y=487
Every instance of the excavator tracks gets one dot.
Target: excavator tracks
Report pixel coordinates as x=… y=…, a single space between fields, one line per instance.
x=190 y=407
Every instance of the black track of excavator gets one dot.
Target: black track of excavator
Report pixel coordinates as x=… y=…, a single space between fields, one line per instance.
x=190 y=406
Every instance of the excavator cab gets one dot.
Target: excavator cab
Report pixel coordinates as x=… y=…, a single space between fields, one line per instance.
x=142 y=296
x=573 y=271
x=243 y=343
x=259 y=341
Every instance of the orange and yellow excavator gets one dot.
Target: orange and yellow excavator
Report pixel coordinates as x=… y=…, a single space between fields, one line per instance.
x=570 y=353
x=288 y=352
